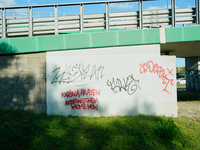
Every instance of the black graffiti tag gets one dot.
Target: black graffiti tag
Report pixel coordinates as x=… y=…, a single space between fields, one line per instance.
x=130 y=85
x=77 y=73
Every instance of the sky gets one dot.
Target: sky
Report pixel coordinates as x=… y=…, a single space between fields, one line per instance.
x=100 y=8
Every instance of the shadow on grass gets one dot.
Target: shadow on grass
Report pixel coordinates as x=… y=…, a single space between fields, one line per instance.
x=25 y=130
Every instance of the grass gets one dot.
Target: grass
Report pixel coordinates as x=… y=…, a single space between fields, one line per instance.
x=181 y=85
x=21 y=130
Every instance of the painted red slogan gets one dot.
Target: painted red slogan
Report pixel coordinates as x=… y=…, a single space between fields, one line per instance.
x=82 y=99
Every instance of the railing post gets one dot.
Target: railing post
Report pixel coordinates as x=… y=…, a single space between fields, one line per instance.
x=107 y=17
x=30 y=21
x=197 y=12
x=140 y=15
x=3 y=13
x=173 y=13
x=56 y=19
x=81 y=19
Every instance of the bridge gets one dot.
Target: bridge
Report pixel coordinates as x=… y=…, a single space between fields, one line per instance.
x=164 y=26
x=176 y=30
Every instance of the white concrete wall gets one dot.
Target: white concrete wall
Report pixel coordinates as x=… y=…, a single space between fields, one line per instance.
x=111 y=81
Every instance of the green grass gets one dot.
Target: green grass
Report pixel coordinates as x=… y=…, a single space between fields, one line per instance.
x=24 y=130
x=181 y=85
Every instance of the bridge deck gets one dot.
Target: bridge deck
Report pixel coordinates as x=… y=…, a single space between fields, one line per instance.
x=55 y=23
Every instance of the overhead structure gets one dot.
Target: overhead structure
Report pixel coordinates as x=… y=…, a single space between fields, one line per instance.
x=56 y=23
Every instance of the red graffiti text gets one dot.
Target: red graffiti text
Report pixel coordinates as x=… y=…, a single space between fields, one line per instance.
x=81 y=103
x=79 y=93
x=152 y=67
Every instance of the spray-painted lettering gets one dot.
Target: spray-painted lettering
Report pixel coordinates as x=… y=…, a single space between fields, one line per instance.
x=77 y=73
x=193 y=79
x=82 y=103
x=152 y=67
x=130 y=85
x=79 y=93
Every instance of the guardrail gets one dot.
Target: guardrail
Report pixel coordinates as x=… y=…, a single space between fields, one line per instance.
x=57 y=24
x=22 y=14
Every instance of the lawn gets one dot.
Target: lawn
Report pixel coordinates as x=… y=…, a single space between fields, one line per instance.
x=181 y=85
x=25 y=130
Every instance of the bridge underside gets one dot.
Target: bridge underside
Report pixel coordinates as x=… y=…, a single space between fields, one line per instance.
x=181 y=49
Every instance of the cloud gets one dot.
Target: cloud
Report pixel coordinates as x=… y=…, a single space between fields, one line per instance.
x=157 y=7
x=122 y=6
x=29 y=2
x=154 y=7
x=4 y=3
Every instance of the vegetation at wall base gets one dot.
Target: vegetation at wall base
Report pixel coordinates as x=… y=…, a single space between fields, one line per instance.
x=21 y=130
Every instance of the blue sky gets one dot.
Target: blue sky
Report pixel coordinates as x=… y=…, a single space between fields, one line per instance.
x=119 y=7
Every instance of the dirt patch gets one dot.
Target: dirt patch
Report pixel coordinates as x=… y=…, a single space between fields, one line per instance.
x=189 y=109
x=188 y=104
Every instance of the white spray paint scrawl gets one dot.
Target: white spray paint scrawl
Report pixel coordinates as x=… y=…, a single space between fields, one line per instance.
x=111 y=81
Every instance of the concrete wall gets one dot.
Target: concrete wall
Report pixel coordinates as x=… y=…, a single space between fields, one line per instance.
x=111 y=81
x=22 y=82
x=192 y=65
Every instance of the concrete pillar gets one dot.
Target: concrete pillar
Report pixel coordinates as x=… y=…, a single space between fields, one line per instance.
x=192 y=67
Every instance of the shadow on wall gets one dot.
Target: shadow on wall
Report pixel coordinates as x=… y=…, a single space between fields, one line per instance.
x=64 y=102
x=68 y=102
x=17 y=81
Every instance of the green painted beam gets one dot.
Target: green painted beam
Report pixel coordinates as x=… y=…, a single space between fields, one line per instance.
x=79 y=41
x=96 y=39
x=182 y=34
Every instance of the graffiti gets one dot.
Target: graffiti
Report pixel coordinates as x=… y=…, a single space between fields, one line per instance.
x=82 y=92
x=89 y=103
x=193 y=79
x=81 y=103
x=152 y=67
x=130 y=85
x=77 y=73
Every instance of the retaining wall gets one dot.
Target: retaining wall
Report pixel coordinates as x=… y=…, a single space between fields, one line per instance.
x=22 y=82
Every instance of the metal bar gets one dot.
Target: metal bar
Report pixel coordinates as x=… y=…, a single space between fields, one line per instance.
x=81 y=19
x=107 y=17
x=173 y=13
x=70 y=4
x=140 y=15
x=167 y=5
x=3 y=13
x=30 y=22
x=56 y=19
x=197 y=12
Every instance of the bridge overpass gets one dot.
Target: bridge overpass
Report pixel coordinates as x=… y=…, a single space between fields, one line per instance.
x=177 y=30
x=168 y=27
